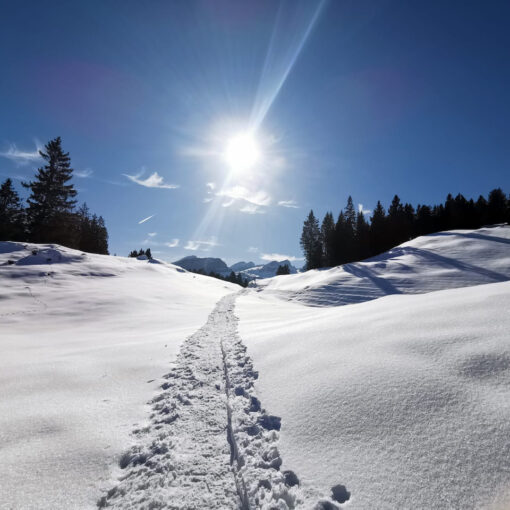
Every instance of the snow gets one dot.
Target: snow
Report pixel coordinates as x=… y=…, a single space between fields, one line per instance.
x=404 y=400
x=209 y=443
x=382 y=384
x=83 y=340
x=457 y=258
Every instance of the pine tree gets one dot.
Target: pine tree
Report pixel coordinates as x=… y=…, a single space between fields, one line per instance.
x=328 y=240
x=51 y=200
x=283 y=269
x=340 y=250
x=378 y=230
x=349 y=242
x=497 y=206
x=362 y=237
x=12 y=227
x=311 y=242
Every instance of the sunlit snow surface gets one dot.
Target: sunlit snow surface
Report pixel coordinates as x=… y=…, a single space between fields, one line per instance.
x=439 y=261
x=84 y=341
x=405 y=400
x=402 y=395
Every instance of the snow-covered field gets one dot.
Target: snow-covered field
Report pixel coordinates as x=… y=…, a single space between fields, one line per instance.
x=401 y=399
x=84 y=341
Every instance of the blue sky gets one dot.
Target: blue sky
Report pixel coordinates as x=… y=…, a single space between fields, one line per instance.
x=344 y=98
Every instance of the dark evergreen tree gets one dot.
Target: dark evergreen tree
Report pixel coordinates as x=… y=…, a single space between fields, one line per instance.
x=283 y=269
x=12 y=216
x=424 y=220
x=349 y=240
x=311 y=242
x=482 y=212
x=340 y=250
x=328 y=240
x=497 y=206
x=362 y=237
x=51 y=200
x=378 y=230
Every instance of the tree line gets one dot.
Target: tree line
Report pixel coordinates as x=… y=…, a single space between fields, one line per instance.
x=232 y=277
x=135 y=254
x=50 y=215
x=351 y=237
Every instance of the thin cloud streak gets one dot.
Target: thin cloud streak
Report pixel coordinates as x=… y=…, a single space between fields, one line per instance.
x=252 y=209
x=279 y=257
x=288 y=203
x=172 y=244
x=83 y=174
x=153 y=181
x=21 y=157
x=146 y=219
x=362 y=210
x=201 y=245
x=241 y=193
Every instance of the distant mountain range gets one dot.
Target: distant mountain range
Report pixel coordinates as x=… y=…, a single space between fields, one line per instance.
x=248 y=269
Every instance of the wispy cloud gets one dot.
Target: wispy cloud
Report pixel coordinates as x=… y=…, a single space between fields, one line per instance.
x=146 y=219
x=241 y=193
x=288 y=203
x=252 y=209
x=228 y=203
x=279 y=257
x=173 y=243
x=207 y=200
x=253 y=249
x=211 y=185
x=21 y=157
x=153 y=181
x=362 y=210
x=152 y=234
x=83 y=174
x=201 y=245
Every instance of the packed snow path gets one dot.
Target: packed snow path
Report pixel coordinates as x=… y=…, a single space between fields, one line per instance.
x=209 y=443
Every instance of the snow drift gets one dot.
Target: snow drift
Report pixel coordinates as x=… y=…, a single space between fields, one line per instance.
x=457 y=258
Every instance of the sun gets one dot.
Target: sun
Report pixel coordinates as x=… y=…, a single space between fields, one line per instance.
x=241 y=152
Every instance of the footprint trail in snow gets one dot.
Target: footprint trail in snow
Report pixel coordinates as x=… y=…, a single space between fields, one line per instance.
x=209 y=443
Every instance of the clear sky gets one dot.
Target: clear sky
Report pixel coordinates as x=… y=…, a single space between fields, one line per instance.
x=362 y=98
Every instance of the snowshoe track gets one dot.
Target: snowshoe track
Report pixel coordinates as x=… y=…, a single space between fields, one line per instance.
x=209 y=443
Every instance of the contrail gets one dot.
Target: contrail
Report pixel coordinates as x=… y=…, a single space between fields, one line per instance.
x=146 y=219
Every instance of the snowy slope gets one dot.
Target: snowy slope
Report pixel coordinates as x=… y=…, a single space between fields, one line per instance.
x=84 y=340
x=404 y=400
x=444 y=260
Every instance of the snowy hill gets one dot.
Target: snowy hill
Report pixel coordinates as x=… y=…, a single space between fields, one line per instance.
x=84 y=340
x=267 y=270
x=404 y=400
x=205 y=264
x=457 y=258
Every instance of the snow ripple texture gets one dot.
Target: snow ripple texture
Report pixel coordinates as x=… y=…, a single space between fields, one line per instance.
x=209 y=443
